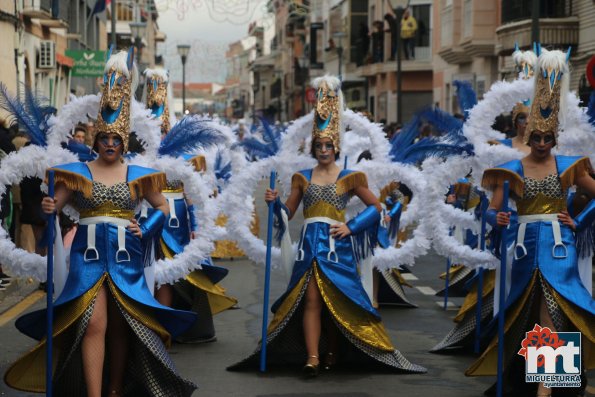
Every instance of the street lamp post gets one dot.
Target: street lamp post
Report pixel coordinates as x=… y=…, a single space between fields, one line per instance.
x=183 y=51
x=137 y=31
x=303 y=79
x=399 y=10
x=339 y=36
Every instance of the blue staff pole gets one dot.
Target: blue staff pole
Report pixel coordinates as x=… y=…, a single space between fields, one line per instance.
x=482 y=246
x=267 y=281
x=448 y=264
x=502 y=300
x=345 y=164
x=50 y=293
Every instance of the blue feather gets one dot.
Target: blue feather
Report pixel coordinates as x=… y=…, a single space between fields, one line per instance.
x=17 y=109
x=38 y=108
x=83 y=151
x=432 y=147
x=187 y=135
x=405 y=138
x=467 y=98
x=268 y=146
x=256 y=148
x=444 y=123
x=222 y=172
x=591 y=108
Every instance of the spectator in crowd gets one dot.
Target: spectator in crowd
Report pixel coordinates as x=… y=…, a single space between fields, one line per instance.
x=80 y=134
x=377 y=42
x=6 y=219
x=408 y=34
x=362 y=43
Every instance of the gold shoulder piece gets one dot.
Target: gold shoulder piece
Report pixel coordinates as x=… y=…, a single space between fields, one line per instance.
x=351 y=181
x=72 y=180
x=148 y=183
x=199 y=163
x=494 y=142
x=387 y=190
x=299 y=181
x=494 y=177
x=579 y=168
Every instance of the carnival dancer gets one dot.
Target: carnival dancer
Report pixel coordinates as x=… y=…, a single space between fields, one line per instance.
x=546 y=287
x=461 y=336
x=105 y=297
x=387 y=285
x=198 y=291
x=325 y=291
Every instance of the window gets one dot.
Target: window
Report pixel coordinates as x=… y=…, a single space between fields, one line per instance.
x=468 y=18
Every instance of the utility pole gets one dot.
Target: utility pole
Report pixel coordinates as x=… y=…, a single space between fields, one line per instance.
x=114 y=12
x=535 y=21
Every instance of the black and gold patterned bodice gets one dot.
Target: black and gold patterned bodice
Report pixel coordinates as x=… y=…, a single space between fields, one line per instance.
x=323 y=200
x=174 y=186
x=542 y=196
x=114 y=201
x=330 y=200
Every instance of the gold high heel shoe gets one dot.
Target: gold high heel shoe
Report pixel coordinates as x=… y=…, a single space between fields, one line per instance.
x=311 y=370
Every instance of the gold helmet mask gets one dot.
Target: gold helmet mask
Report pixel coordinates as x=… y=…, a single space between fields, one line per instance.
x=118 y=87
x=327 y=111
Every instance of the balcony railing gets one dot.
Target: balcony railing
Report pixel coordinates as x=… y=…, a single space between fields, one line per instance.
x=37 y=8
x=517 y=10
x=42 y=9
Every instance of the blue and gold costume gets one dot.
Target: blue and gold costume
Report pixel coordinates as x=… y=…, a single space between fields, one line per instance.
x=332 y=265
x=175 y=236
x=105 y=252
x=545 y=260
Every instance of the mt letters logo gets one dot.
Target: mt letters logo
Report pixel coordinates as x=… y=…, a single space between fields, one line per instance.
x=553 y=358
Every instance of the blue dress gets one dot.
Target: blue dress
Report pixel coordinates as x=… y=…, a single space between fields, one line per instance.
x=104 y=252
x=332 y=265
x=544 y=265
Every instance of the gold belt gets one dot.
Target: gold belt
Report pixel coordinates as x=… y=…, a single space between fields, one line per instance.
x=115 y=213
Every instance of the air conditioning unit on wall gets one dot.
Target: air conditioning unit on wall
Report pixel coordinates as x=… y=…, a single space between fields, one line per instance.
x=47 y=55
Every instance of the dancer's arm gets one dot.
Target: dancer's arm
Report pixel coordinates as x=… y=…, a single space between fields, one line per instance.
x=61 y=196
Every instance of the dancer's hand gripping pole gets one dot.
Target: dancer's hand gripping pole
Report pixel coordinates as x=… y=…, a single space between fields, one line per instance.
x=50 y=292
x=502 y=286
x=267 y=281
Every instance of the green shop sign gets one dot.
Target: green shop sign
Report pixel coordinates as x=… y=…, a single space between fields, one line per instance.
x=87 y=63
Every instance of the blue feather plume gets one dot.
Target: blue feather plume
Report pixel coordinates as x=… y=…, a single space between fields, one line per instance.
x=466 y=96
x=38 y=108
x=444 y=123
x=432 y=147
x=268 y=146
x=187 y=135
x=222 y=171
x=84 y=152
x=405 y=138
x=591 y=108
x=26 y=121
